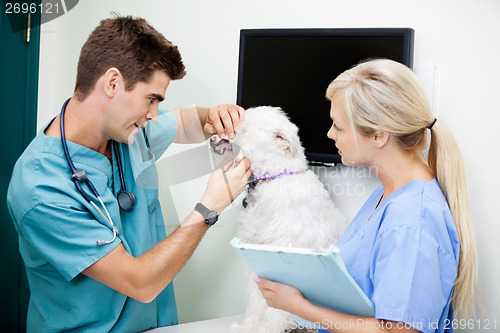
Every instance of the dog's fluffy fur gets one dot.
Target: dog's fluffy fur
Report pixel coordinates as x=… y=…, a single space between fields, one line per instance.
x=290 y=210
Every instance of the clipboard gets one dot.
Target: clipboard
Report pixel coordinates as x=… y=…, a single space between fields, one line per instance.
x=320 y=274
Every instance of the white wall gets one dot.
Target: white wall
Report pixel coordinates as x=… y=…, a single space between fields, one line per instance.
x=460 y=38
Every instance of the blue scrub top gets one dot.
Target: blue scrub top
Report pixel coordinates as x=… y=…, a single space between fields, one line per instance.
x=58 y=231
x=404 y=255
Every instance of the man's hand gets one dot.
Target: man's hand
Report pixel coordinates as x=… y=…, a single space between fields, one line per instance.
x=224 y=120
x=226 y=184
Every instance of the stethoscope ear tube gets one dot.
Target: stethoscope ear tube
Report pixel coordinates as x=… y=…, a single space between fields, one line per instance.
x=80 y=189
x=110 y=221
x=77 y=175
x=126 y=200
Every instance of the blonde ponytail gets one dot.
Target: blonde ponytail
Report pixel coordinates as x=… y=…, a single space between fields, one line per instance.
x=445 y=161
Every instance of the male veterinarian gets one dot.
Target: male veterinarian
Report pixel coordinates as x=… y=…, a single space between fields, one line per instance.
x=83 y=195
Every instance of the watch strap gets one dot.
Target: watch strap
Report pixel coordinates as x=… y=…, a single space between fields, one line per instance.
x=210 y=216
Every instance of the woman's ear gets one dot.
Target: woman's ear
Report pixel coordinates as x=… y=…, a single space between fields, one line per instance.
x=380 y=139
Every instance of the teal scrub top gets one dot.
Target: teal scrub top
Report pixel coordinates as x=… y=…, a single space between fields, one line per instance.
x=404 y=255
x=58 y=230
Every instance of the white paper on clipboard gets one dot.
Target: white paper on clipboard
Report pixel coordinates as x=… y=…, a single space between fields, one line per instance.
x=320 y=274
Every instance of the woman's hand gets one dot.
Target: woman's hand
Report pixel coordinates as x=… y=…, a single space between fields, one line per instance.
x=226 y=184
x=281 y=296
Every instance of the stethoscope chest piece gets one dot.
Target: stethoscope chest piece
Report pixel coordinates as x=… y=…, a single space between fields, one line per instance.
x=126 y=200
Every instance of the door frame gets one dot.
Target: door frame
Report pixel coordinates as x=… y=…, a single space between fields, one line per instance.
x=17 y=299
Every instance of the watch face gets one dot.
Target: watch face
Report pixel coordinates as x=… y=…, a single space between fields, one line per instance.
x=212 y=217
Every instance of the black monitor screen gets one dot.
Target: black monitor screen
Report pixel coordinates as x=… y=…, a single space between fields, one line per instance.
x=291 y=68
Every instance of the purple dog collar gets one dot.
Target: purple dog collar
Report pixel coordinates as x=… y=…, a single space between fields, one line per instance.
x=283 y=173
x=251 y=184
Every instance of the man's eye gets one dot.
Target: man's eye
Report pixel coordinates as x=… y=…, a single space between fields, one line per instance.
x=151 y=100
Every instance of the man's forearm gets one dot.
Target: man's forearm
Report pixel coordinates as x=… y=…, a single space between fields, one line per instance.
x=144 y=277
x=164 y=261
x=191 y=122
x=203 y=118
x=196 y=124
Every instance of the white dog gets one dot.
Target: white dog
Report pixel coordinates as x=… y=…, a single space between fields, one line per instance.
x=286 y=204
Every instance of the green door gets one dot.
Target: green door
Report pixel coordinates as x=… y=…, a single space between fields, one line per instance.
x=18 y=107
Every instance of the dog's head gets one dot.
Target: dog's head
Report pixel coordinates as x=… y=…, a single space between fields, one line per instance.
x=270 y=140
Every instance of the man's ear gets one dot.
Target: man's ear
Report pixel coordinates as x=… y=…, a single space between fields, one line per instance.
x=380 y=139
x=112 y=79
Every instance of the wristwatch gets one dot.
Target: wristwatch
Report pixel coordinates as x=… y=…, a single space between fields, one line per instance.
x=210 y=216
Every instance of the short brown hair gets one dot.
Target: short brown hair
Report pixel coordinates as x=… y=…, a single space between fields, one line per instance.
x=131 y=45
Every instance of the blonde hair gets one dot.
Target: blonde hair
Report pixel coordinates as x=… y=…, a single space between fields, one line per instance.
x=382 y=95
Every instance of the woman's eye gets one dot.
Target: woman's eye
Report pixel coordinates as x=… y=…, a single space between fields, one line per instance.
x=151 y=100
x=336 y=127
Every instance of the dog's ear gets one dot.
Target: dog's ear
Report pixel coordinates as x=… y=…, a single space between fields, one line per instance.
x=285 y=141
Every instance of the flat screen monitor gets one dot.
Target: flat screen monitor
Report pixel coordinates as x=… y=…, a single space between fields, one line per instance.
x=292 y=68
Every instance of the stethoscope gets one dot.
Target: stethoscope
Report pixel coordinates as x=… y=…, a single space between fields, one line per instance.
x=126 y=200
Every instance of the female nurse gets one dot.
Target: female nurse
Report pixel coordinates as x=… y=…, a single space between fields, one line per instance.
x=411 y=247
